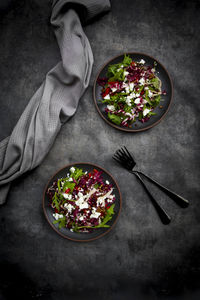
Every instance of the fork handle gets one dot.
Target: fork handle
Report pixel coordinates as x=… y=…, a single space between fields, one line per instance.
x=182 y=202
x=165 y=218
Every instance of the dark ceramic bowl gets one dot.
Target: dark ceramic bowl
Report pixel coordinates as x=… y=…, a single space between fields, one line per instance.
x=66 y=233
x=165 y=102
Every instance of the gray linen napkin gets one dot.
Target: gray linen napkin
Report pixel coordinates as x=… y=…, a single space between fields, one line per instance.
x=57 y=98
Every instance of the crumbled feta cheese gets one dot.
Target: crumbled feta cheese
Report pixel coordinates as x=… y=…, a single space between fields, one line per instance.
x=128 y=101
x=137 y=101
x=127 y=89
x=101 y=200
x=81 y=203
x=150 y=94
x=142 y=81
x=71 y=230
x=72 y=169
x=70 y=179
x=67 y=196
x=126 y=73
x=131 y=85
x=114 y=89
x=111 y=107
x=57 y=216
x=146 y=111
x=94 y=214
x=86 y=172
x=80 y=194
x=142 y=61
x=81 y=218
x=107 y=97
x=146 y=88
x=107 y=182
x=69 y=207
x=132 y=95
x=137 y=95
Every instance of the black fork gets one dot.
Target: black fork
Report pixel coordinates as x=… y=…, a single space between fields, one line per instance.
x=124 y=157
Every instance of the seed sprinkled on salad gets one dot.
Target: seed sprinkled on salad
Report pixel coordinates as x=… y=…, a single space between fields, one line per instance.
x=82 y=201
x=131 y=91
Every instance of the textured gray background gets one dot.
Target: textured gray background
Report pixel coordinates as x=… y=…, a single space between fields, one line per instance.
x=140 y=258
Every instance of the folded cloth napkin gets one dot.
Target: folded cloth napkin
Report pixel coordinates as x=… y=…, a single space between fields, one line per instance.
x=57 y=98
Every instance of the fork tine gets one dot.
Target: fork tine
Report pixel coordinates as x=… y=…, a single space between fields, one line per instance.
x=118 y=157
x=129 y=153
x=117 y=160
x=126 y=155
x=121 y=157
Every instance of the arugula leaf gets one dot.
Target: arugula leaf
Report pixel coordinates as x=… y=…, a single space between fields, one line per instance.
x=58 y=184
x=103 y=224
x=96 y=185
x=61 y=221
x=56 y=201
x=118 y=75
x=77 y=173
x=114 y=118
x=107 y=218
x=127 y=60
x=156 y=100
x=156 y=82
x=68 y=185
x=151 y=113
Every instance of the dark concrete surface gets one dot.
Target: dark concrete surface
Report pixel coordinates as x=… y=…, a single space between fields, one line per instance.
x=140 y=258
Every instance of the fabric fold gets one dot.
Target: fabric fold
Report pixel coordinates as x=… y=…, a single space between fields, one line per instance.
x=57 y=98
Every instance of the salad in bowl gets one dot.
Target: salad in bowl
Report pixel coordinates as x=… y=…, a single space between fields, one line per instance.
x=131 y=90
x=82 y=201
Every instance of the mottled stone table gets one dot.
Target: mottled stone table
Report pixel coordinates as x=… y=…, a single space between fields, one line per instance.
x=140 y=258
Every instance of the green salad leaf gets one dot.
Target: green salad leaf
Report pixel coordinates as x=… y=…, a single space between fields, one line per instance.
x=114 y=118
x=127 y=60
x=68 y=185
x=108 y=217
x=156 y=82
x=77 y=173
x=103 y=224
x=56 y=201
x=61 y=221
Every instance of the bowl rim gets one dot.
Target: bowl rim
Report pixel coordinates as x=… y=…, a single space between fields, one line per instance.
x=121 y=128
x=76 y=239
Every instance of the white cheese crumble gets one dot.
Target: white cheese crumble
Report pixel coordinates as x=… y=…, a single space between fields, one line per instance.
x=137 y=101
x=111 y=107
x=128 y=101
x=107 y=182
x=81 y=203
x=131 y=85
x=126 y=73
x=146 y=88
x=57 y=216
x=146 y=111
x=101 y=200
x=67 y=196
x=72 y=169
x=137 y=95
x=107 y=97
x=70 y=179
x=142 y=61
x=142 y=81
x=94 y=214
x=114 y=89
x=69 y=207
x=150 y=94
